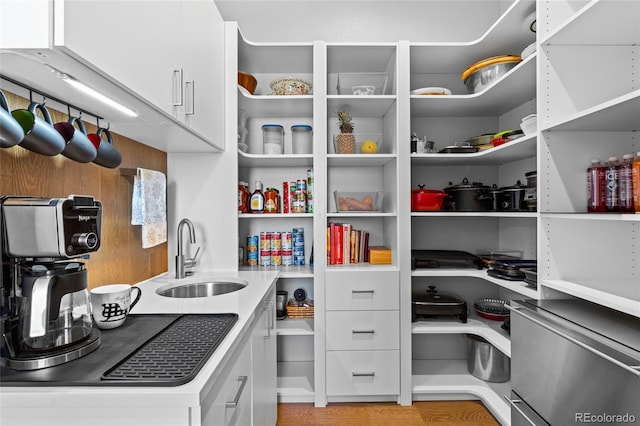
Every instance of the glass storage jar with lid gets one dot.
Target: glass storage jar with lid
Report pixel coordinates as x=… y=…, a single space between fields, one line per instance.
x=301 y=139
x=273 y=139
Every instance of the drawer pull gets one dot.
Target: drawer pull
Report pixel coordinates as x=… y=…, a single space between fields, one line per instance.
x=372 y=374
x=363 y=331
x=362 y=291
x=234 y=403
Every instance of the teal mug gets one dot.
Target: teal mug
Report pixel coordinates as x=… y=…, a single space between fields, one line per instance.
x=79 y=147
x=11 y=132
x=39 y=134
x=107 y=155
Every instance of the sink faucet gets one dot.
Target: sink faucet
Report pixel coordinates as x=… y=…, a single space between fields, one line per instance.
x=181 y=262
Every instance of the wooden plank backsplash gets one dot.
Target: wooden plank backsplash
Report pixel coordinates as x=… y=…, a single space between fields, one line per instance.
x=121 y=258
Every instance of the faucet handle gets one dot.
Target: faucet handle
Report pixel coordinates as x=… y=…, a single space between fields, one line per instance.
x=191 y=263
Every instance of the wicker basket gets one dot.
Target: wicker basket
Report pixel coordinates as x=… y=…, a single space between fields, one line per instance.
x=294 y=311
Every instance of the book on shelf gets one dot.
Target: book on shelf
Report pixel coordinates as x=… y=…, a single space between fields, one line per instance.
x=346 y=245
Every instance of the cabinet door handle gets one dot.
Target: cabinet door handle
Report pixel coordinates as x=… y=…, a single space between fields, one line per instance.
x=362 y=291
x=189 y=88
x=176 y=87
x=363 y=331
x=514 y=403
x=371 y=374
x=234 y=403
x=270 y=321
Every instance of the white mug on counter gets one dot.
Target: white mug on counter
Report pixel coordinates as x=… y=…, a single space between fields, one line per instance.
x=112 y=303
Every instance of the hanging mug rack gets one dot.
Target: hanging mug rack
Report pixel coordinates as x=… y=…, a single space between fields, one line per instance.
x=70 y=138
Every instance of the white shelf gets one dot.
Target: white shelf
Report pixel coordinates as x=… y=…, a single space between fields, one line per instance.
x=295 y=327
x=359 y=160
x=364 y=266
x=579 y=29
x=609 y=217
x=360 y=214
x=274 y=215
x=487 y=329
x=280 y=106
x=519 y=287
x=361 y=106
x=519 y=149
x=295 y=381
x=304 y=271
x=618 y=114
x=442 y=377
x=262 y=160
x=453 y=214
x=505 y=36
x=623 y=304
x=512 y=89
x=274 y=58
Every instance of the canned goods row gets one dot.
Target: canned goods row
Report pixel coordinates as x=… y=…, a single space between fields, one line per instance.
x=276 y=248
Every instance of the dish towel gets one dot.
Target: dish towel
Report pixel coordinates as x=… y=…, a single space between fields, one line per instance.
x=149 y=206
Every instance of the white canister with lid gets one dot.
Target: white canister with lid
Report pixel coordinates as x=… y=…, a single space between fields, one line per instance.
x=273 y=139
x=302 y=139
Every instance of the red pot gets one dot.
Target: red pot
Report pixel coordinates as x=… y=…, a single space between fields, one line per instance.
x=426 y=199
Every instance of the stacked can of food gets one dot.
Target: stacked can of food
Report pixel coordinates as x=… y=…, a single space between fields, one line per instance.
x=298 y=246
x=252 y=250
x=265 y=249
x=276 y=248
x=287 y=248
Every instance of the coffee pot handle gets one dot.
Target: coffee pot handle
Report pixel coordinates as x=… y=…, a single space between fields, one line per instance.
x=39 y=307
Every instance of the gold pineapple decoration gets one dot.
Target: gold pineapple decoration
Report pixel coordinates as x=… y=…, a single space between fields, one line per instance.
x=345 y=141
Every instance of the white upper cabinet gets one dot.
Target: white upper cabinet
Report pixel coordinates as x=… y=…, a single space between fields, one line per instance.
x=164 y=60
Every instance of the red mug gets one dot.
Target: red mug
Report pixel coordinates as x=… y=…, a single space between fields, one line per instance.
x=107 y=155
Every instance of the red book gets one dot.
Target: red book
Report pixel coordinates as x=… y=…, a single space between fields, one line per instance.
x=338 y=246
x=365 y=237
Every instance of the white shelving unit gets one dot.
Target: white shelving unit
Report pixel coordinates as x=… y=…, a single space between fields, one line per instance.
x=589 y=256
x=447 y=120
x=266 y=62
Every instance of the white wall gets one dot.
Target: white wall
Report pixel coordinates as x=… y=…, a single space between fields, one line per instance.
x=203 y=188
x=361 y=21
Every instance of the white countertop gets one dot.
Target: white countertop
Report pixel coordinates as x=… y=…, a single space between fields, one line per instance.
x=27 y=405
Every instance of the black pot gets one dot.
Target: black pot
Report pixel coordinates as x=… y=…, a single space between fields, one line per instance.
x=468 y=197
x=512 y=198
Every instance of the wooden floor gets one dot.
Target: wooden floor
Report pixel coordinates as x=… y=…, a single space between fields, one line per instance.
x=430 y=413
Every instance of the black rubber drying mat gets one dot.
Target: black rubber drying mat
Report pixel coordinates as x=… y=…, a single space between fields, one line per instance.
x=175 y=354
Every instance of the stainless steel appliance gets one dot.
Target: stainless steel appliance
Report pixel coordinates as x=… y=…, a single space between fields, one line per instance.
x=46 y=311
x=573 y=362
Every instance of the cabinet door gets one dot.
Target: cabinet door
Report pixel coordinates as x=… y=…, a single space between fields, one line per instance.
x=264 y=371
x=230 y=403
x=202 y=51
x=135 y=43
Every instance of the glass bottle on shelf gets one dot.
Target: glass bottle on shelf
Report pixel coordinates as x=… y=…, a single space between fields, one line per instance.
x=596 y=187
x=625 y=173
x=636 y=182
x=612 y=186
x=257 y=199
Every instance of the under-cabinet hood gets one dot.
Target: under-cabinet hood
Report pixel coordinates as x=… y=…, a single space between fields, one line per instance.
x=151 y=127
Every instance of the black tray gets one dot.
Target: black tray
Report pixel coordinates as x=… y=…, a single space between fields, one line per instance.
x=444 y=258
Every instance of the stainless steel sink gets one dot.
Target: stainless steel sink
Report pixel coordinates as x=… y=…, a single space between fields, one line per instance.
x=201 y=289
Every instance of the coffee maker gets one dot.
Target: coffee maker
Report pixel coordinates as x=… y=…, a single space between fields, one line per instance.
x=46 y=310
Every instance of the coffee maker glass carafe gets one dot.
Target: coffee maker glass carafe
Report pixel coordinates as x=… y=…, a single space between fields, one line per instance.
x=55 y=307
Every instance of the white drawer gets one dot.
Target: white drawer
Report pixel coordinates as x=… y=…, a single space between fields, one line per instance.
x=362 y=330
x=362 y=290
x=363 y=373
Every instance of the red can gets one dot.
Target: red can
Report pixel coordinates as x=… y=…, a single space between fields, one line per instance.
x=285 y=197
